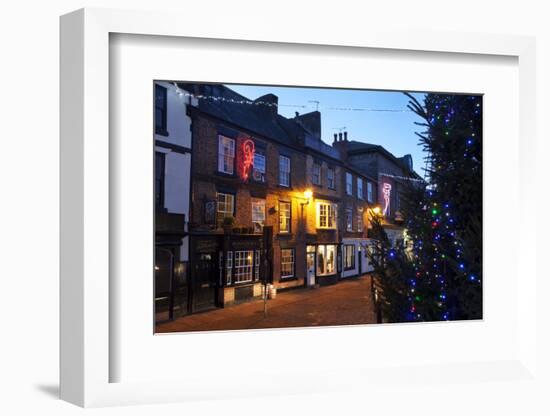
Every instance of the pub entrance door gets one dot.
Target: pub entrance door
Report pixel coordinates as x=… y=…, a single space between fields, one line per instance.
x=205 y=274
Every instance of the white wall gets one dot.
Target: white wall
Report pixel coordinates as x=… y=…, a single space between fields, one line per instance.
x=177 y=165
x=178 y=122
x=360 y=247
x=177 y=169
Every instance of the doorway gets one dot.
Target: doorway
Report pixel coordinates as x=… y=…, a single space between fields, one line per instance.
x=205 y=275
x=310 y=269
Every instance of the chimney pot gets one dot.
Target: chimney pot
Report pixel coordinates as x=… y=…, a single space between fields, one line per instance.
x=346 y=136
x=335 y=137
x=339 y=136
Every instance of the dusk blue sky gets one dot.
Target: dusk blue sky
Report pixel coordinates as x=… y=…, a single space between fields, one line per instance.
x=393 y=130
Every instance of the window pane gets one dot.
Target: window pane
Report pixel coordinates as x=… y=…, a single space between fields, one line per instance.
x=226 y=204
x=331 y=259
x=369 y=192
x=226 y=154
x=321 y=260
x=284 y=217
x=243 y=266
x=322 y=215
x=258 y=214
x=159 y=179
x=349 y=222
x=284 y=171
x=349 y=184
x=258 y=171
x=316 y=177
x=287 y=262
x=330 y=178
x=229 y=267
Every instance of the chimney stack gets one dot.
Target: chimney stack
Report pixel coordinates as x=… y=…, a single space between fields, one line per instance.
x=267 y=105
x=341 y=144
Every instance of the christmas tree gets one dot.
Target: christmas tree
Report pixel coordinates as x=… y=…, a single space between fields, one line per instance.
x=444 y=218
x=391 y=268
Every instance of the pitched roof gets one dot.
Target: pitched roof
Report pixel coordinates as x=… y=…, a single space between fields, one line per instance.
x=355 y=147
x=254 y=115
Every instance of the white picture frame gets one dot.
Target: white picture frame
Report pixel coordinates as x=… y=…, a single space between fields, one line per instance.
x=85 y=351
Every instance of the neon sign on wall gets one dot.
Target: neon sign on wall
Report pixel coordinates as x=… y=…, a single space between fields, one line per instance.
x=386 y=191
x=247 y=160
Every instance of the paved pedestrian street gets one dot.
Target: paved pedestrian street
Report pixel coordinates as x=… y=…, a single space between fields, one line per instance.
x=346 y=303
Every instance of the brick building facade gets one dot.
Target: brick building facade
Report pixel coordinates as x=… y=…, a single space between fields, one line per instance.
x=270 y=201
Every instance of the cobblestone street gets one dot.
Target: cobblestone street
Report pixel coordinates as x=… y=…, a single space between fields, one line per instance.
x=345 y=303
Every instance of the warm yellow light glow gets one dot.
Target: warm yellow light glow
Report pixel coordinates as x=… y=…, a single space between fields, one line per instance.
x=308 y=194
x=376 y=210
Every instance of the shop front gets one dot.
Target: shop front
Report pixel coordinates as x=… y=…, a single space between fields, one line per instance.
x=355 y=260
x=240 y=262
x=322 y=262
x=225 y=270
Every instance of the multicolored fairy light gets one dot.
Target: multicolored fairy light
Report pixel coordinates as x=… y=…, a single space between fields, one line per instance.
x=453 y=125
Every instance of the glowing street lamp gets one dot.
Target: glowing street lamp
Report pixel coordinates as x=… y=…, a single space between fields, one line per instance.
x=376 y=210
x=307 y=195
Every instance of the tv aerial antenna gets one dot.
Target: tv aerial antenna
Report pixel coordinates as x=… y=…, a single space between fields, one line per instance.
x=316 y=104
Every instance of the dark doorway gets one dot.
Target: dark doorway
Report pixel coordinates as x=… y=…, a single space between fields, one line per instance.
x=205 y=274
x=171 y=285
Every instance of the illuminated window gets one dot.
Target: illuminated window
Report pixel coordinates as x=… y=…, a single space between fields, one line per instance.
x=349 y=184
x=316 y=174
x=284 y=171
x=243 y=266
x=326 y=215
x=284 y=217
x=226 y=155
x=287 y=262
x=359 y=220
x=326 y=260
x=349 y=256
x=258 y=214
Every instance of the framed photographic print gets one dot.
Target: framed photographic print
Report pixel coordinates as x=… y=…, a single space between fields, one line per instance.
x=343 y=229
x=274 y=206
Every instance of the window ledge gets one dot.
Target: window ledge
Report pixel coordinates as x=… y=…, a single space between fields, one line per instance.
x=284 y=235
x=162 y=133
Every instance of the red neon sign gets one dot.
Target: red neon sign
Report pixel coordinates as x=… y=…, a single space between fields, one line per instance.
x=247 y=149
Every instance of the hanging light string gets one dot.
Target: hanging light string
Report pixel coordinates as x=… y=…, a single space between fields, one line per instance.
x=317 y=107
x=404 y=178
